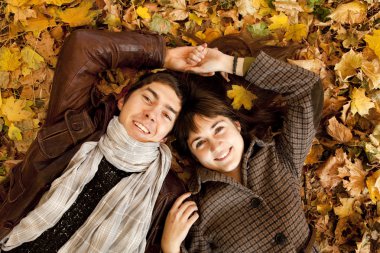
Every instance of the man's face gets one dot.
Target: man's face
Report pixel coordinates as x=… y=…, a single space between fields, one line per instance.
x=149 y=113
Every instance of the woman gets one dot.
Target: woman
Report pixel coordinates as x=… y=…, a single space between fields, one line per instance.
x=246 y=190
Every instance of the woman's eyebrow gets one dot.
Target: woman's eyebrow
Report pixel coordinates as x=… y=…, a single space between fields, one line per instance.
x=216 y=123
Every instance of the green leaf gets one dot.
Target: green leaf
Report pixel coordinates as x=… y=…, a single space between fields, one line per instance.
x=159 y=24
x=258 y=30
x=322 y=13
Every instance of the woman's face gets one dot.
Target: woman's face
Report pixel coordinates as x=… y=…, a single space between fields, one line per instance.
x=218 y=144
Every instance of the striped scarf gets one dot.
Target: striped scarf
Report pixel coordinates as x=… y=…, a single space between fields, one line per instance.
x=121 y=220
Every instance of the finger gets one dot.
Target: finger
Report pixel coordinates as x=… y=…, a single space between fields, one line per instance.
x=184 y=206
x=192 y=220
x=191 y=62
x=225 y=76
x=189 y=211
x=195 y=57
x=207 y=74
x=179 y=200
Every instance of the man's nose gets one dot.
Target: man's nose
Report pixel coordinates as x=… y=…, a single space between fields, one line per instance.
x=151 y=115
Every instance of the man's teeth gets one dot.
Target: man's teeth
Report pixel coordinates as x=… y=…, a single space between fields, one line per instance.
x=142 y=128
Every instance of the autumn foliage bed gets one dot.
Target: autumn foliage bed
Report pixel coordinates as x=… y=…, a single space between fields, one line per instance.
x=340 y=41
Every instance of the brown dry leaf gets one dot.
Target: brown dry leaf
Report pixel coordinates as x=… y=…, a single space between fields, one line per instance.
x=356 y=183
x=348 y=65
x=315 y=154
x=338 y=131
x=328 y=172
x=372 y=70
x=352 y=13
x=20 y=13
x=373 y=185
x=44 y=46
x=314 y=65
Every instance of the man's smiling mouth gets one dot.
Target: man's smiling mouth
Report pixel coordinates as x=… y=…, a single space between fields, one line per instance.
x=141 y=127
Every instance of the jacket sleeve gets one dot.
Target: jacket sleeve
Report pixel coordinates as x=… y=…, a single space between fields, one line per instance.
x=303 y=93
x=85 y=53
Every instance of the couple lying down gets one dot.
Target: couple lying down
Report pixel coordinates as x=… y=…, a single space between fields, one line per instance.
x=97 y=178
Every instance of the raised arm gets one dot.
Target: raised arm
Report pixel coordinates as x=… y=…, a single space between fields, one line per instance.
x=304 y=95
x=86 y=53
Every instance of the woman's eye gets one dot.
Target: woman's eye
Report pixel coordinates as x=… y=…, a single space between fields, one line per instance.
x=167 y=116
x=218 y=129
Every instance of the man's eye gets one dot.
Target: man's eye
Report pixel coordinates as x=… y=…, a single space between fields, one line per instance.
x=199 y=144
x=147 y=99
x=218 y=129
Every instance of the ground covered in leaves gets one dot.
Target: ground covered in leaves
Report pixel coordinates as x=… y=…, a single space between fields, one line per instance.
x=340 y=41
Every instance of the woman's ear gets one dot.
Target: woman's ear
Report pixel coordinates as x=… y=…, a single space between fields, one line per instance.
x=120 y=103
x=238 y=126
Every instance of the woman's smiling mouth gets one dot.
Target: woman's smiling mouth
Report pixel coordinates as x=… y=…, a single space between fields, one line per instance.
x=224 y=155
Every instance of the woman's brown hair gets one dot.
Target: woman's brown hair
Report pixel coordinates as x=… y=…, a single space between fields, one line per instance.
x=207 y=95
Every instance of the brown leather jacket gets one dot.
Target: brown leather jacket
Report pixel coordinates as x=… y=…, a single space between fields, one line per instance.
x=77 y=114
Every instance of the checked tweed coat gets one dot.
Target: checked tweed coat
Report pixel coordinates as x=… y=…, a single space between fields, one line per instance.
x=264 y=213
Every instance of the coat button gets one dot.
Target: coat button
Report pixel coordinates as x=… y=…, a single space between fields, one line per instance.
x=255 y=202
x=76 y=126
x=280 y=238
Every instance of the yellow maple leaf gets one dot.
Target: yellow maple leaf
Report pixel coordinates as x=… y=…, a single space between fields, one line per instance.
x=348 y=64
x=296 y=32
x=9 y=61
x=373 y=186
x=16 y=109
x=372 y=70
x=37 y=25
x=14 y=133
x=241 y=97
x=31 y=58
x=346 y=209
x=212 y=34
x=78 y=16
x=195 y=18
x=280 y=21
x=59 y=2
x=17 y=3
x=352 y=13
x=20 y=13
x=143 y=12
x=373 y=41
x=360 y=102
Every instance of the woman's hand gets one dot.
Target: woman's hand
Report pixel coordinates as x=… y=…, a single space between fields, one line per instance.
x=206 y=61
x=181 y=217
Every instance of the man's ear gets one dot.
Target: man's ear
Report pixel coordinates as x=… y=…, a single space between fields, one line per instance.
x=238 y=126
x=120 y=103
x=164 y=140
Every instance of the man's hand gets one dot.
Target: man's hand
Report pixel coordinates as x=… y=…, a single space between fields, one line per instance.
x=177 y=58
x=181 y=217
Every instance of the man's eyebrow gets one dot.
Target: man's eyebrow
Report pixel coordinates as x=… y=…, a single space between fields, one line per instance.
x=155 y=95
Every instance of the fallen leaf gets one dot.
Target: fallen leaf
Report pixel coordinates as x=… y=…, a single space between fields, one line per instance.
x=356 y=183
x=338 y=131
x=352 y=13
x=373 y=186
x=159 y=24
x=143 y=12
x=15 y=109
x=195 y=18
x=78 y=16
x=246 y=7
x=4 y=80
x=9 y=61
x=315 y=154
x=373 y=41
x=20 y=14
x=296 y=32
x=258 y=30
x=348 y=65
x=37 y=25
x=314 y=65
x=372 y=70
x=328 y=171
x=212 y=34
x=345 y=210
x=59 y=2
x=360 y=102
x=280 y=21
x=241 y=97
x=14 y=133
x=31 y=58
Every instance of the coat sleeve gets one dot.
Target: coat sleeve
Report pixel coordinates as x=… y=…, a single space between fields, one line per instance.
x=85 y=53
x=303 y=93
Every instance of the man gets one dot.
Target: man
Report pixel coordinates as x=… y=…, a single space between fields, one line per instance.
x=78 y=115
